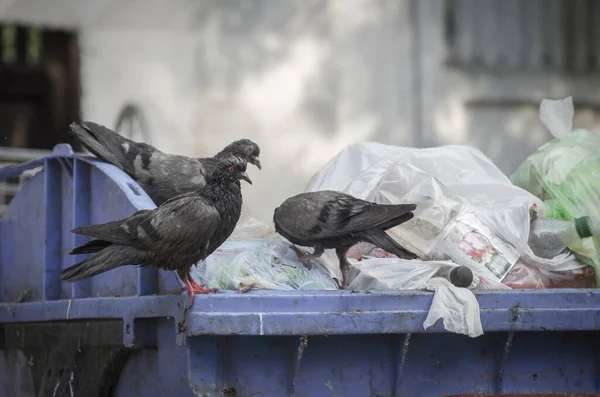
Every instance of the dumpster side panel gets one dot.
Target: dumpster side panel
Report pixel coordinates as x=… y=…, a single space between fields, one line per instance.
x=422 y=365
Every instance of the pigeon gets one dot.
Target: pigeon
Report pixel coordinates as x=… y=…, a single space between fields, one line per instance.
x=174 y=236
x=334 y=220
x=161 y=175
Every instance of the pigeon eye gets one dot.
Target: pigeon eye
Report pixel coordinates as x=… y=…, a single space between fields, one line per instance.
x=231 y=169
x=250 y=148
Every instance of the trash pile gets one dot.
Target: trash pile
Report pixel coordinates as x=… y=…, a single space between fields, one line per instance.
x=473 y=229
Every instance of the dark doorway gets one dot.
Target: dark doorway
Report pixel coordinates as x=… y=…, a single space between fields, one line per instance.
x=39 y=86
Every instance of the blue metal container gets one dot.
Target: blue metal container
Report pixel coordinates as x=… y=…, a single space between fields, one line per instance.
x=129 y=332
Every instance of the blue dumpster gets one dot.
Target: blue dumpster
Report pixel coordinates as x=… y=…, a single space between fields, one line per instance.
x=130 y=333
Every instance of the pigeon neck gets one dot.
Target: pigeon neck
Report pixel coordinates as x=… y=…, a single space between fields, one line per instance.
x=219 y=182
x=225 y=195
x=225 y=152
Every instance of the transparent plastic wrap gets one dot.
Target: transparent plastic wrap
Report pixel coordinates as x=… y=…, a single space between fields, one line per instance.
x=455 y=188
x=564 y=173
x=263 y=268
x=444 y=227
x=256 y=258
x=384 y=274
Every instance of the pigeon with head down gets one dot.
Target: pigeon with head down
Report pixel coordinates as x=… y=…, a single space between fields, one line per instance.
x=160 y=174
x=335 y=220
x=179 y=233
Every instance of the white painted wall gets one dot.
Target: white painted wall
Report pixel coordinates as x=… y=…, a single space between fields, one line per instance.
x=301 y=78
x=497 y=113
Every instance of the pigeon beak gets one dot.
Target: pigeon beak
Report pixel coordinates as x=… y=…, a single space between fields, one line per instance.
x=245 y=177
x=256 y=162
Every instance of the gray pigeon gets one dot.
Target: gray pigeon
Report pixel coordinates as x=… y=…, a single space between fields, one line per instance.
x=179 y=233
x=161 y=175
x=334 y=220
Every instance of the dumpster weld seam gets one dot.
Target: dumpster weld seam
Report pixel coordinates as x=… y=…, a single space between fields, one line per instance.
x=301 y=346
x=509 y=340
x=260 y=319
x=71 y=384
x=56 y=388
x=69 y=308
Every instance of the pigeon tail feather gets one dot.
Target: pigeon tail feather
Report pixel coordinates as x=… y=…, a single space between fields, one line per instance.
x=106 y=144
x=386 y=243
x=399 y=214
x=103 y=261
x=90 y=247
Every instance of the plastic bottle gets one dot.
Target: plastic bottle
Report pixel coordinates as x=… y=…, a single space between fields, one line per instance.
x=460 y=276
x=550 y=237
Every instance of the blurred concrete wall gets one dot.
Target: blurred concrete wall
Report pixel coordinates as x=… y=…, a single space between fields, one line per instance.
x=302 y=78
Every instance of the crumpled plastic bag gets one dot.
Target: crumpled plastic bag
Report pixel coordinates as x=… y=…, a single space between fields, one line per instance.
x=264 y=269
x=384 y=274
x=564 y=173
x=446 y=298
x=444 y=182
x=256 y=258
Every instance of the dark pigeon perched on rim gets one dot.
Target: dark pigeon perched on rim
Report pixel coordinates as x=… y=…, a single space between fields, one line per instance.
x=160 y=174
x=178 y=234
x=334 y=220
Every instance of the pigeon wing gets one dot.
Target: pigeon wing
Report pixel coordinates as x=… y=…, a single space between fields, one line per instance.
x=171 y=223
x=325 y=214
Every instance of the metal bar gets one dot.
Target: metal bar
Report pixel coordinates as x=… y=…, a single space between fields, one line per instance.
x=20 y=154
x=311 y=313
x=94 y=308
x=389 y=322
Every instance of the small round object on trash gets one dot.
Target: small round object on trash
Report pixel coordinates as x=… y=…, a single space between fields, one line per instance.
x=461 y=276
x=583 y=227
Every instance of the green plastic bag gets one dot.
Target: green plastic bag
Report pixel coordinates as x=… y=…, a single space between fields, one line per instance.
x=565 y=174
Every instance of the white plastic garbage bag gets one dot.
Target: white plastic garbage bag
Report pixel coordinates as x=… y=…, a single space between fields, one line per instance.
x=446 y=299
x=447 y=183
x=385 y=274
x=557 y=116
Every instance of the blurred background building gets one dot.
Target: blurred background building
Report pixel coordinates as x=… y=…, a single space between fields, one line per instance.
x=302 y=78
